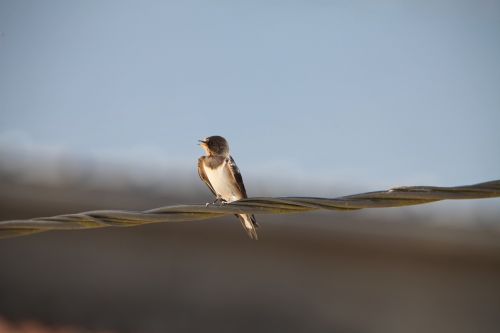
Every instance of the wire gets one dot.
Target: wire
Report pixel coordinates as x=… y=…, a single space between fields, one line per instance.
x=396 y=197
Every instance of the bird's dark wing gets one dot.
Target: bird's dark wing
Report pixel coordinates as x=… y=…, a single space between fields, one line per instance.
x=203 y=175
x=249 y=227
x=233 y=169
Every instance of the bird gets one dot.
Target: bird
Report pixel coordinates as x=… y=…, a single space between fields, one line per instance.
x=222 y=176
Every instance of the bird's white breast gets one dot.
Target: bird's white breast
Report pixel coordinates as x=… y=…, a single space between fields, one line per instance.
x=223 y=182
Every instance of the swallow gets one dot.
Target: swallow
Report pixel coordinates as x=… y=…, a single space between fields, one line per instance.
x=220 y=173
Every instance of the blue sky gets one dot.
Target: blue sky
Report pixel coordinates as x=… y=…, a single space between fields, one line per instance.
x=394 y=93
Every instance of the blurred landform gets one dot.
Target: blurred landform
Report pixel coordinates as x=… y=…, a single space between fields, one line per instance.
x=386 y=270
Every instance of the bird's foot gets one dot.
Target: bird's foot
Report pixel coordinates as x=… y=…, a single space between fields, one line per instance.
x=219 y=201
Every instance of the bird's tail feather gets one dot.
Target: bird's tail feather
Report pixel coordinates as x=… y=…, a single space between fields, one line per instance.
x=249 y=224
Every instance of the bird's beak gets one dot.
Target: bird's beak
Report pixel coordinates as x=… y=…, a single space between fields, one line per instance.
x=201 y=142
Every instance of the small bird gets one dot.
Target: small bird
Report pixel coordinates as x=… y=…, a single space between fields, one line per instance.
x=219 y=171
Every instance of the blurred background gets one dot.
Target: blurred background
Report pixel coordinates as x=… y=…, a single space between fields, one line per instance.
x=101 y=107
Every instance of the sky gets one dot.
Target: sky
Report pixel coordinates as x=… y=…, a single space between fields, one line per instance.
x=351 y=92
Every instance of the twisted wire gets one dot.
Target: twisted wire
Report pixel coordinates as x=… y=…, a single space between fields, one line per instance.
x=395 y=197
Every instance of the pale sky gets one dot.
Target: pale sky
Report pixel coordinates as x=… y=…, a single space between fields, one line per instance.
x=398 y=92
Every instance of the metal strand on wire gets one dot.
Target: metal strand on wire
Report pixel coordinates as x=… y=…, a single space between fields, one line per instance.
x=396 y=197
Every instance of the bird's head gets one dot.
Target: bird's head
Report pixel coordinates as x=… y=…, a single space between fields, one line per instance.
x=215 y=145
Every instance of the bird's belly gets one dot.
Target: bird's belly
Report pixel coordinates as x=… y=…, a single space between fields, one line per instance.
x=223 y=183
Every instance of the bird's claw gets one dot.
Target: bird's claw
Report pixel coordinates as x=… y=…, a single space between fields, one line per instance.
x=216 y=202
x=219 y=201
